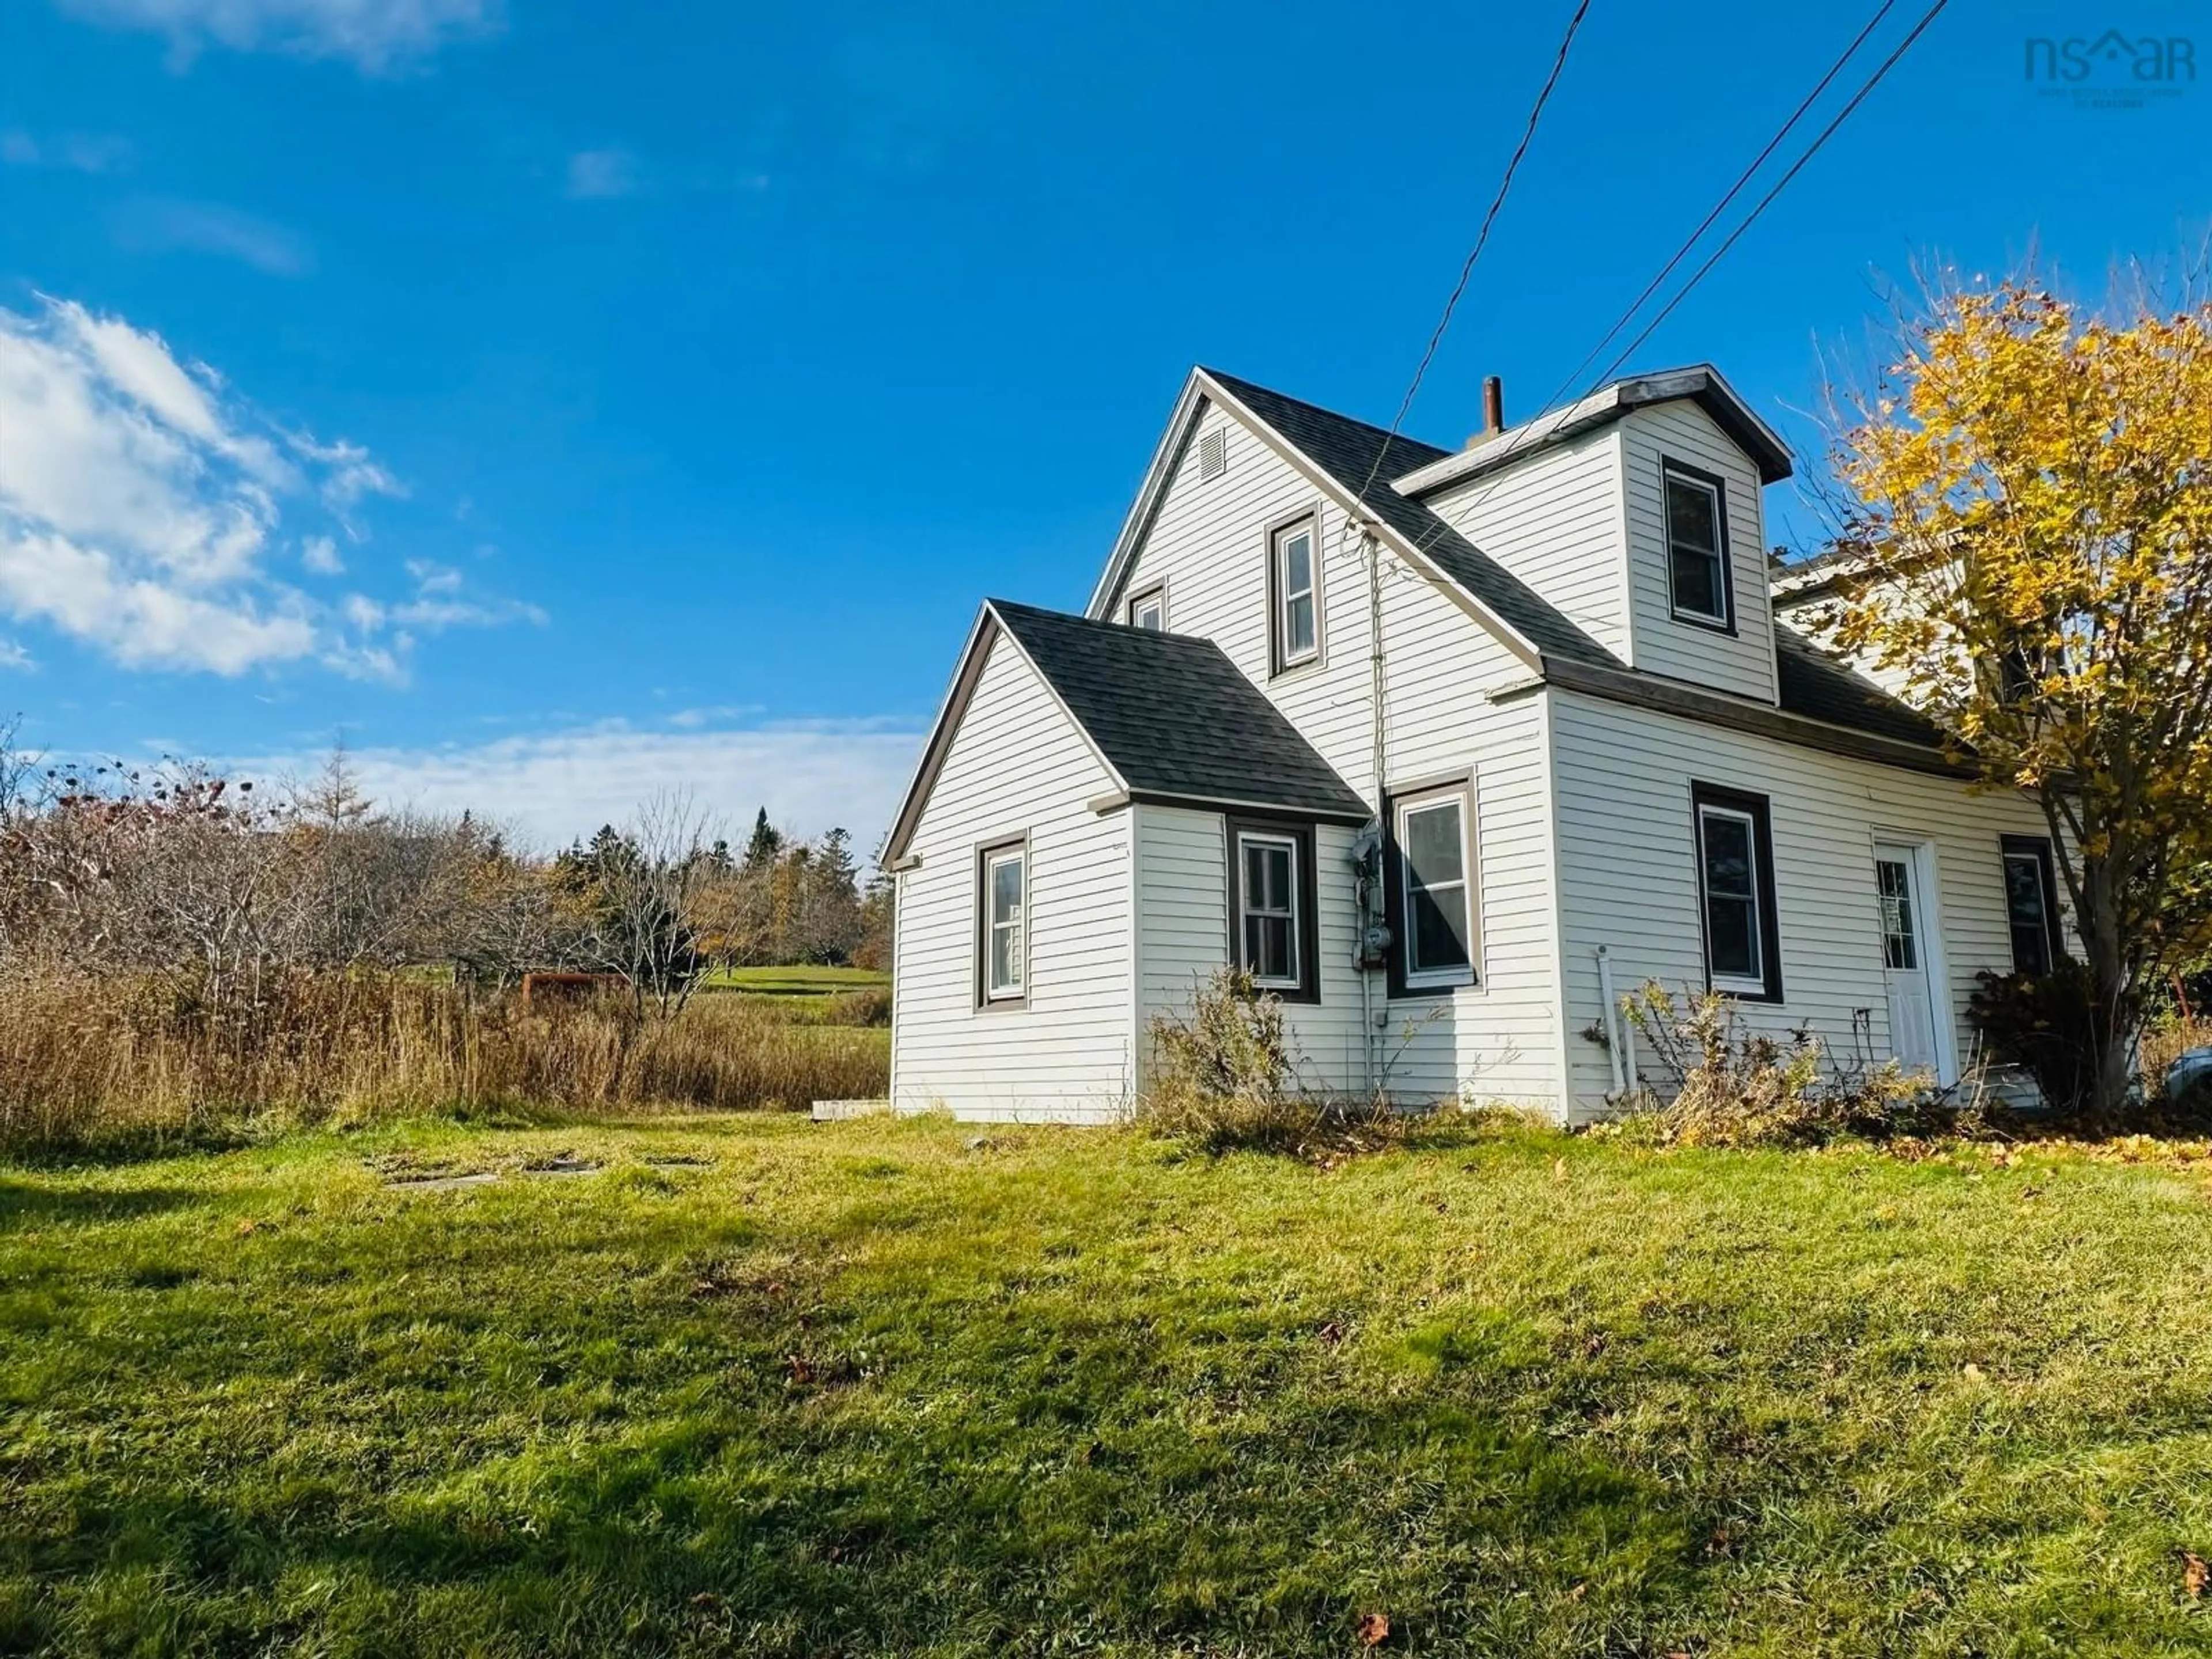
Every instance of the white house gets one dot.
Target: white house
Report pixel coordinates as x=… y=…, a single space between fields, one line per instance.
x=1439 y=745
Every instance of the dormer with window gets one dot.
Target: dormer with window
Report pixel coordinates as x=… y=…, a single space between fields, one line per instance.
x=1636 y=512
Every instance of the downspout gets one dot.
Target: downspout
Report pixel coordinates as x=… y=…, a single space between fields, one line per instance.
x=1373 y=910
x=1615 y=1025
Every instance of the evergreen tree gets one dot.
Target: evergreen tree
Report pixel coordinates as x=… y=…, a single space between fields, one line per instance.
x=766 y=844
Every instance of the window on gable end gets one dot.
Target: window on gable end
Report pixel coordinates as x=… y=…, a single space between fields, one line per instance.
x=1294 y=593
x=1002 y=946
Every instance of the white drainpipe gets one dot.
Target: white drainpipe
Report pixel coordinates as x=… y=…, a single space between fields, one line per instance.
x=1616 y=1025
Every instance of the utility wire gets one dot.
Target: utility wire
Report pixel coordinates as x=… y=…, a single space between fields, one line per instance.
x=1780 y=184
x=1721 y=206
x=1796 y=167
x=1482 y=236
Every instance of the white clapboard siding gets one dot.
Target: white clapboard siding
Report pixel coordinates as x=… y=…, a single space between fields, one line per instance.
x=1554 y=520
x=1016 y=764
x=1208 y=542
x=1182 y=906
x=1743 y=662
x=1628 y=880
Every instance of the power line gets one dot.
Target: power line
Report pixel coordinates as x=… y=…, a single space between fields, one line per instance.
x=1796 y=167
x=1721 y=206
x=1482 y=236
x=1780 y=184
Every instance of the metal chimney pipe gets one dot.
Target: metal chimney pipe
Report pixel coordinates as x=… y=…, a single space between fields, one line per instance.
x=1493 y=403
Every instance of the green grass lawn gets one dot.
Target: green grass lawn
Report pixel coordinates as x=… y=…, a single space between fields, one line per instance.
x=763 y=1387
x=798 y=980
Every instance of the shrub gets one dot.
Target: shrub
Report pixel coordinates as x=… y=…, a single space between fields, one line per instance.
x=1222 y=1076
x=1730 y=1087
x=2046 y=1024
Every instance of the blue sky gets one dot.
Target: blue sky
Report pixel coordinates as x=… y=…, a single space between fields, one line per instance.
x=558 y=401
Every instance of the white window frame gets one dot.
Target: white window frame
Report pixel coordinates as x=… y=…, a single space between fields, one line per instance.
x=1460 y=798
x=1289 y=844
x=1152 y=598
x=1671 y=474
x=993 y=859
x=1280 y=594
x=1754 y=984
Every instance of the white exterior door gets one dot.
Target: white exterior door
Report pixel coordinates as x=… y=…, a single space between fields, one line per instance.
x=1904 y=958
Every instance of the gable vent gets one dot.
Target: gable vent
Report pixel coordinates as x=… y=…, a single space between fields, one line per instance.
x=1212 y=454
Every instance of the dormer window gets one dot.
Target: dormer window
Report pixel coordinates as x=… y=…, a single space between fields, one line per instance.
x=1697 y=546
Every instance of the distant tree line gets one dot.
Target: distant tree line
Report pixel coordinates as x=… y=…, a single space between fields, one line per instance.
x=174 y=872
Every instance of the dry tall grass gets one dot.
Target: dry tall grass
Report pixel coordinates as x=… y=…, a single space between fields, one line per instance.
x=85 y=1059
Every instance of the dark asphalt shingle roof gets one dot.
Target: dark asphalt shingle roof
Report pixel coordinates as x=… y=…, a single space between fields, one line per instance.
x=1818 y=686
x=1346 y=449
x=1175 y=718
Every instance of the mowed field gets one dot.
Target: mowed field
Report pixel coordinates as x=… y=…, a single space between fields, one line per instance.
x=750 y=1385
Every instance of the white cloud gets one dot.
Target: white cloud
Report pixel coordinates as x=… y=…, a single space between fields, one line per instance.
x=140 y=506
x=555 y=786
x=603 y=174
x=73 y=152
x=439 y=602
x=373 y=34
x=320 y=555
x=352 y=474
x=138 y=620
x=154 y=224
x=13 y=655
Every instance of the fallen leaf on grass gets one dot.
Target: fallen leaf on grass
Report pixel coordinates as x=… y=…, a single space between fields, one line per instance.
x=798 y=1368
x=1974 y=1373
x=706 y=1598
x=1331 y=1334
x=1558 y=1169
x=2195 y=1574
x=1373 y=1629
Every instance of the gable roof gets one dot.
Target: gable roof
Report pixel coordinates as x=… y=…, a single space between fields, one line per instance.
x=1346 y=449
x=1817 y=695
x=1175 y=719
x=1169 y=716
x=1701 y=385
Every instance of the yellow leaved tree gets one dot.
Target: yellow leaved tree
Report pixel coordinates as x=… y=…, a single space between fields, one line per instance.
x=2031 y=525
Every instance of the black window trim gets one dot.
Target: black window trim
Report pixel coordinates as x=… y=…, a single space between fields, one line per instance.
x=1278 y=662
x=1759 y=810
x=2038 y=848
x=986 y=853
x=1158 y=591
x=1394 y=885
x=1304 y=890
x=1725 y=623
